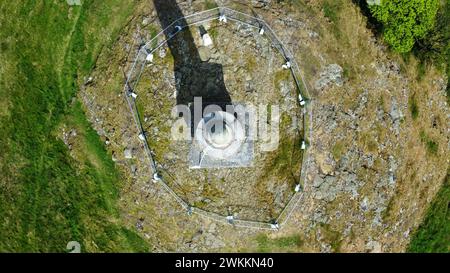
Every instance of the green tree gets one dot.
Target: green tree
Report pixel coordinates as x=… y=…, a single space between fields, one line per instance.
x=435 y=47
x=405 y=21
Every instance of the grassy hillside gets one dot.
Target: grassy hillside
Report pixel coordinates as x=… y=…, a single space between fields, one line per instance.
x=433 y=49
x=434 y=233
x=47 y=198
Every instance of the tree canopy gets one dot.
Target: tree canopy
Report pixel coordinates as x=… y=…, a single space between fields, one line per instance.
x=405 y=21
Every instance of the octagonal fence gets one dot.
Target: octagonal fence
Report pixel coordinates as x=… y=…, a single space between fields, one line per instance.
x=161 y=176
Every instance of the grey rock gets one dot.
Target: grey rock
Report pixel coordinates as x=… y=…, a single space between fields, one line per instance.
x=140 y=224
x=285 y=88
x=162 y=52
x=351 y=183
x=320 y=216
x=395 y=112
x=317 y=181
x=313 y=35
x=377 y=220
x=145 y=21
x=205 y=53
x=260 y=3
x=128 y=153
x=331 y=74
x=328 y=189
x=374 y=246
x=364 y=205
x=249 y=86
x=133 y=169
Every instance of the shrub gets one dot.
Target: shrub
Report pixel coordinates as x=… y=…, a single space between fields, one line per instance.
x=405 y=21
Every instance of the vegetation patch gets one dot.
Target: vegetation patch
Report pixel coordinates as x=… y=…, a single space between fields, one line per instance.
x=210 y=4
x=413 y=107
x=405 y=21
x=52 y=198
x=433 y=235
x=331 y=10
x=282 y=244
x=435 y=47
x=431 y=145
x=338 y=150
x=333 y=237
x=285 y=162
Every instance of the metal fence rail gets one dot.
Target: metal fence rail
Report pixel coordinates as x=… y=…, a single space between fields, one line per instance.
x=160 y=40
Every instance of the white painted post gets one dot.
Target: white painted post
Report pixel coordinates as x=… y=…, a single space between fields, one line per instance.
x=301 y=100
x=287 y=65
x=223 y=18
x=207 y=41
x=156 y=178
x=303 y=145
x=149 y=58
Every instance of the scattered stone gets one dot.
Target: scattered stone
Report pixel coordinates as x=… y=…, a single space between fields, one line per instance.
x=313 y=35
x=128 y=153
x=205 y=53
x=374 y=246
x=133 y=169
x=113 y=157
x=318 y=181
x=395 y=112
x=146 y=21
x=260 y=3
x=331 y=74
x=140 y=224
x=162 y=52
x=364 y=204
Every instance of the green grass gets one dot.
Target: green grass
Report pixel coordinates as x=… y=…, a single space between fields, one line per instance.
x=333 y=237
x=430 y=144
x=280 y=76
x=421 y=71
x=386 y=214
x=153 y=32
x=282 y=244
x=214 y=32
x=338 y=150
x=413 y=107
x=331 y=10
x=210 y=4
x=48 y=198
x=433 y=235
x=285 y=162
